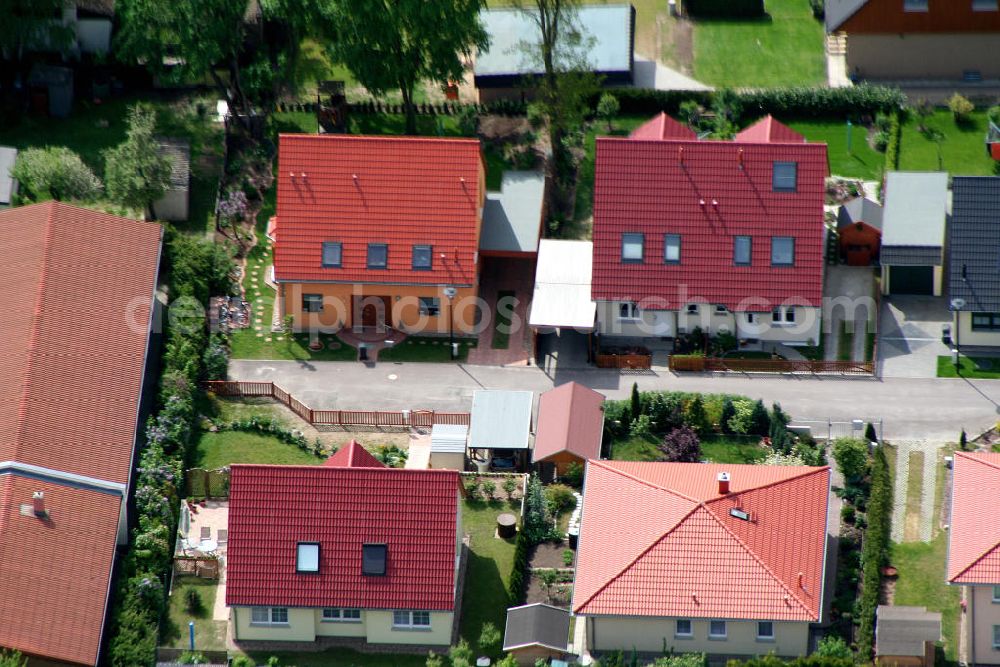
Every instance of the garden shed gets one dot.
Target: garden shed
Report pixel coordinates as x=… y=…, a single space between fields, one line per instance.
x=512 y=218
x=536 y=631
x=448 y=442
x=51 y=90
x=174 y=205
x=905 y=636
x=859 y=228
x=570 y=428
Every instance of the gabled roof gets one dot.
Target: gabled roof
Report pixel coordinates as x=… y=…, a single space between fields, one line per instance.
x=273 y=508
x=357 y=190
x=769 y=131
x=836 y=12
x=974 y=243
x=974 y=537
x=512 y=218
x=570 y=419
x=55 y=573
x=674 y=549
x=662 y=127
x=178 y=151
x=536 y=625
x=860 y=209
x=79 y=289
x=708 y=192
x=905 y=630
x=914 y=217
x=353 y=455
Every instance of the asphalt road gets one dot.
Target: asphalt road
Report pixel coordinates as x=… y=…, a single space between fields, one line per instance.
x=911 y=408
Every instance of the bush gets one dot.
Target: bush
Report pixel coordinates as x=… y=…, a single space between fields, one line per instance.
x=833 y=646
x=561 y=498
x=695 y=416
x=760 y=421
x=189 y=658
x=516 y=590
x=192 y=602
x=54 y=172
x=642 y=427
x=993 y=113
x=537 y=522
x=607 y=108
x=468 y=120
x=851 y=456
x=12 y=658
x=509 y=487
x=848 y=513
x=961 y=108
x=741 y=421
x=818 y=8
x=573 y=474
x=568 y=557
x=489 y=639
x=892 y=147
x=460 y=654
x=215 y=361
x=681 y=445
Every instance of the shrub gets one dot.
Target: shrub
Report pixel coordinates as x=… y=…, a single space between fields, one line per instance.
x=833 y=646
x=509 y=660
x=728 y=412
x=537 y=521
x=510 y=486
x=392 y=456
x=993 y=113
x=892 y=147
x=818 y=8
x=695 y=417
x=642 y=427
x=489 y=489
x=963 y=441
x=11 y=658
x=561 y=498
x=666 y=412
x=635 y=401
x=681 y=445
x=468 y=120
x=516 y=588
x=243 y=661
x=960 y=108
x=870 y=434
x=54 y=172
x=189 y=658
x=215 y=361
x=851 y=456
x=473 y=488
x=848 y=513
x=192 y=601
x=460 y=654
x=568 y=557
x=811 y=453
x=573 y=474
x=740 y=422
x=760 y=421
x=607 y=109
x=874 y=550
x=434 y=660
x=489 y=639
x=776 y=458
x=682 y=660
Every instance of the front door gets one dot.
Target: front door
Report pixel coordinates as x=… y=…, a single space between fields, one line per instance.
x=371 y=311
x=369 y=315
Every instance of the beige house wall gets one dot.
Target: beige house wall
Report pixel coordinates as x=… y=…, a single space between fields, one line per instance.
x=340 y=628
x=447 y=461
x=611 y=633
x=301 y=626
x=704 y=315
x=380 y=630
x=650 y=323
x=984 y=614
x=923 y=56
x=805 y=330
x=962 y=333
x=305 y=625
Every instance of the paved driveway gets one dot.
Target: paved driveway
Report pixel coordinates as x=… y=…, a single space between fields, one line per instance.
x=909 y=341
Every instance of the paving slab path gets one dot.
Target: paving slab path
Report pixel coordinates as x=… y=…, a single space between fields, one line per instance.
x=928 y=472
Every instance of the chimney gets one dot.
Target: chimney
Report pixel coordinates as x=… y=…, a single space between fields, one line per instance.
x=715 y=204
x=739 y=156
x=723 y=483
x=38 y=504
x=680 y=154
x=701 y=202
x=802 y=580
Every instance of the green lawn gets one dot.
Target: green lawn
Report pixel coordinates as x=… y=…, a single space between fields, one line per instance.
x=362 y=123
x=783 y=49
x=209 y=635
x=341 y=657
x=421 y=348
x=215 y=450
x=963 y=149
x=983 y=368
x=501 y=323
x=921 y=582
x=488 y=574
x=718 y=449
x=862 y=161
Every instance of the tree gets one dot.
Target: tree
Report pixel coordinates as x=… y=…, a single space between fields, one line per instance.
x=635 y=405
x=489 y=639
x=760 y=421
x=537 y=522
x=137 y=173
x=870 y=434
x=54 y=172
x=851 y=456
x=833 y=646
x=390 y=44
x=681 y=446
x=28 y=25
x=509 y=487
x=12 y=659
x=960 y=108
x=607 y=109
x=963 y=441
x=695 y=415
x=489 y=489
x=728 y=412
x=461 y=654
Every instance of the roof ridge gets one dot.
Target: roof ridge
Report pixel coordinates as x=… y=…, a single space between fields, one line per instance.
x=811 y=470
x=971 y=456
x=380 y=137
x=975 y=561
x=645 y=481
x=760 y=562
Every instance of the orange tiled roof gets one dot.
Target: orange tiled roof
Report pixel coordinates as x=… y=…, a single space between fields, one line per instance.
x=974 y=540
x=769 y=131
x=353 y=455
x=570 y=419
x=662 y=127
x=657 y=539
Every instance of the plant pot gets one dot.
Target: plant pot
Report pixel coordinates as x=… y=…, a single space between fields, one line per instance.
x=889 y=572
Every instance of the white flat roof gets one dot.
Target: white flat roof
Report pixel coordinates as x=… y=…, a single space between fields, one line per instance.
x=500 y=419
x=449 y=438
x=562 y=285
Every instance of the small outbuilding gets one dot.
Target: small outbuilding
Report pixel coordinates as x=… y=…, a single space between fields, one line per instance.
x=448 y=443
x=174 y=205
x=905 y=636
x=500 y=423
x=536 y=631
x=8 y=186
x=51 y=90
x=859 y=228
x=913 y=232
x=570 y=428
x=512 y=218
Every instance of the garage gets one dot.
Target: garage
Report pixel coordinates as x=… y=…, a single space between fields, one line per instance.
x=911 y=280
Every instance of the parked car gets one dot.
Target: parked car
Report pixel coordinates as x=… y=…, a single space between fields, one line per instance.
x=503 y=461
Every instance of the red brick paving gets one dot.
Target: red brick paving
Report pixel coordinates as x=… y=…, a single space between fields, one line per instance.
x=501 y=274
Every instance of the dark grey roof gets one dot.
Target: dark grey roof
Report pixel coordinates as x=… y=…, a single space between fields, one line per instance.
x=536 y=625
x=836 y=12
x=974 y=243
x=179 y=152
x=512 y=218
x=910 y=255
x=903 y=630
x=860 y=209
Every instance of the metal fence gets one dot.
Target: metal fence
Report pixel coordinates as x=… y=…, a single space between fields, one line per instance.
x=830 y=429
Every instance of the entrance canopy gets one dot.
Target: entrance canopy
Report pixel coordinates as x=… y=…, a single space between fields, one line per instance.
x=562 y=286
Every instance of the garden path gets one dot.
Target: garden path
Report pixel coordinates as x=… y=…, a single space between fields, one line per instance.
x=928 y=487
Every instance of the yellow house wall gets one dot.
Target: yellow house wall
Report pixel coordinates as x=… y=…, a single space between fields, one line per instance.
x=648 y=634
x=904 y=56
x=380 y=630
x=961 y=331
x=447 y=461
x=301 y=626
x=651 y=323
x=984 y=614
x=339 y=628
x=705 y=317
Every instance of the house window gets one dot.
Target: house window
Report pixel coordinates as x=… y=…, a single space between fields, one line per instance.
x=721 y=310
x=765 y=630
x=628 y=310
x=307 y=557
x=683 y=628
x=430 y=306
x=716 y=629
x=751 y=318
x=741 y=250
x=331 y=254
x=269 y=616
x=378 y=255
x=411 y=619
x=672 y=249
x=986 y=321
x=632 y=248
x=996 y=594
x=312 y=303
x=692 y=309
x=782 y=251
x=783 y=178
x=422 y=258
x=996 y=637
x=783 y=315
x=915 y=5
x=336 y=615
x=984 y=5
x=373 y=559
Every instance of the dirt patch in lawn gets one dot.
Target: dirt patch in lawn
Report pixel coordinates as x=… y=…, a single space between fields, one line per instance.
x=558 y=594
x=681 y=45
x=550 y=555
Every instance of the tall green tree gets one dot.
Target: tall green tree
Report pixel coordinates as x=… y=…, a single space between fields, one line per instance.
x=54 y=172
x=136 y=173
x=28 y=24
x=395 y=44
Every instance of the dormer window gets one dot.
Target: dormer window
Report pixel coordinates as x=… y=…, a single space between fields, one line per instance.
x=378 y=255
x=422 y=258
x=784 y=178
x=331 y=254
x=915 y=5
x=307 y=557
x=373 y=559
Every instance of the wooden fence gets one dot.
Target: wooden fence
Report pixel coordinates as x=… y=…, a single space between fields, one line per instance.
x=401 y=418
x=694 y=364
x=638 y=361
x=203 y=567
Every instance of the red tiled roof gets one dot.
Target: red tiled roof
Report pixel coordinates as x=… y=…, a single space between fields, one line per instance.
x=79 y=287
x=662 y=127
x=570 y=419
x=356 y=190
x=769 y=131
x=974 y=540
x=656 y=188
x=54 y=575
x=353 y=455
x=272 y=508
x=674 y=549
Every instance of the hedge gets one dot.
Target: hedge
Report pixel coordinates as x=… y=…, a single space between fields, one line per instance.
x=892 y=148
x=730 y=9
x=517 y=588
x=874 y=550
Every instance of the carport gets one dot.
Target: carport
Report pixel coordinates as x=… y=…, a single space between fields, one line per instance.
x=561 y=302
x=500 y=428
x=913 y=232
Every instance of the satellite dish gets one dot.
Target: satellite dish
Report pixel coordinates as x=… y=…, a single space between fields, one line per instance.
x=957 y=303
